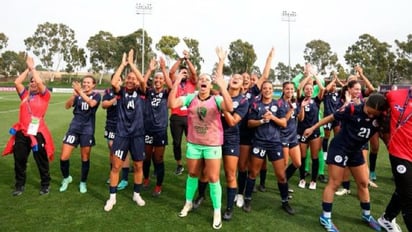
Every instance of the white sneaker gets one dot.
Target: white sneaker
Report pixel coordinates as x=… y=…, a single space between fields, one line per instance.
x=372 y=184
x=342 y=192
x=186 y=208
x=109 y=204
x=138 y=199
x=217 y=220
x=240 y=201
x=65 y=183
x=312 y=185
x=302 y=184
x=390 y=226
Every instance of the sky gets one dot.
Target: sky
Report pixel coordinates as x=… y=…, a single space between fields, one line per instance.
x=219 y=22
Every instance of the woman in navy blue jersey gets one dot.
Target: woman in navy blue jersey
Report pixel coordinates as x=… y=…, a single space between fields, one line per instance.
x=85 y=102
x=359 y=123
x=308 y=116
x=129 y=130
x=267 y=118
x=156 y=117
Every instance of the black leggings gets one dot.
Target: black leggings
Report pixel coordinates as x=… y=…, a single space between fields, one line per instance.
x=178 y=126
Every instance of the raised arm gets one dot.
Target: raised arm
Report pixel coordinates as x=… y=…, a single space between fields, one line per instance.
x=173 y=69
x=369 y=86
x=266 y=69
x=150 y=69
x=168 y=81
x=193 y=74
x=18 y=83
x=320 y=86
x=36 y=77
x=173 y=101
x=136 y=71
x=227 y=104
x=117 y=79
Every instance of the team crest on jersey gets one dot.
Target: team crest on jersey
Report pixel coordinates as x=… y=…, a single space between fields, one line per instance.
x=235 y=104
x=401 y=169
x=338 y=159
x=274 y=108
x=375 y=123
x=201 y=112
x=160 y=95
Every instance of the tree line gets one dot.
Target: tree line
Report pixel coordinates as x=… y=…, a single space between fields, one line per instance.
x=56 y=47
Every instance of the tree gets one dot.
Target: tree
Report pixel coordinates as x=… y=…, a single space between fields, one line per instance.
x=195 y=57
x=403 y=66
x=241 y=56
x=103 y=48
x=166 y=45
x=319 y=54
x=134 y=41
x=12 y=63
x=51 y=42
x=373 y=56
x=3 y=40
x=76 y=59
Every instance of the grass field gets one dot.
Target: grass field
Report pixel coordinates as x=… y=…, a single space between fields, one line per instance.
x=73 y=211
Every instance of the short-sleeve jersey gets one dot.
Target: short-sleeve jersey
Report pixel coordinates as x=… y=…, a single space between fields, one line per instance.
x=289 y=133
x=311 y=114
x=356 y=128
x=130 y=105
x=156 y=111
x=111 y=112
x=331 y=102
x=250 y=95
x=267 y=134
x=84 y=120
x=240 y=107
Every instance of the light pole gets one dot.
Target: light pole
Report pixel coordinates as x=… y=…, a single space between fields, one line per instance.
x=143 y=9
x=289 y=17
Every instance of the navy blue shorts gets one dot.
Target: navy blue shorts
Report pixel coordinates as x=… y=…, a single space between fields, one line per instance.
x=246 y=139
x=313 y=136
x=75 y=139
x=109 y=134
x=122 y=145
x=342 y=159
x=331 y=125
x=273 y=154
x=157 y=139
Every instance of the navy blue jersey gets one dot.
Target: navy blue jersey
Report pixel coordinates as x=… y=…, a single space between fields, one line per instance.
x=268 y=134
x=240 y=107
x=84 y=119
x=156 y=113
x=311 y=114
x=356 y=128
x=331 y=102
x=250 y=95
x=111 y=112
x=130 y=113
x=289 y=133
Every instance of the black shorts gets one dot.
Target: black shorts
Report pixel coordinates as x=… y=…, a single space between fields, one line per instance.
x=158 y=139
x=75 y=139
x=273 y=154
x=122 y=145
x=343 y=159
x=314 y=135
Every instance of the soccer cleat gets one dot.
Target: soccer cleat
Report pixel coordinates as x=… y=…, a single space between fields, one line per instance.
x=239 y=200
x=198 y=201
x=146 y=183
x=228 y=214
x=288 y=209
x=372 y=176
x=312 y=185
x=302 y=184
x=138 y=199
x=65 y=183
x=390 y=226
x=109 y=205
x=328 y=224
x=262 y=188
x=179 y=170
x=371 y=222
x=217 y=220
x=291 y=190
x=372 y=184
x=44 y=190
x=122 y=185
x=83 y=187
x=342 y=192
x=18 y=191
x=247 y=207
x=157 y=191
x=186 y=209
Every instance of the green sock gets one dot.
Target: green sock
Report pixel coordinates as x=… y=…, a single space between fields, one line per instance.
x=321 y=163
x=307 y=160
x=216 y=194
x=191 y=187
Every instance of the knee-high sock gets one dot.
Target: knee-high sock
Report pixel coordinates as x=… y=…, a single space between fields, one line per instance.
x=262 y=174
x=160 y=173
x=125 y=173
x=146 y=168
x=230 y=196
x=372 y=161
x=85 y=170
x=241 y=181
x=321 y=169
x=315 y=169
x=65 y=167
x=216 y=194
x=191 y=186
x=202 y=188
x=290 y=171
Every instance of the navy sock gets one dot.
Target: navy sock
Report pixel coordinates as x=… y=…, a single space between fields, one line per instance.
x=146 y=168
x=160 y=173
x=202 y=188
x=250 y=184
x=290 y=171
x=302 y=168
x=346 y=184
x=64 y=167
x=315 y=169
x=137 y=187
x=372 y=161
x=125 y=173
x=283 y=189
x=85 y=170
x=263 y=176
x=231 y=193
x=241 y=181
x=325 y=144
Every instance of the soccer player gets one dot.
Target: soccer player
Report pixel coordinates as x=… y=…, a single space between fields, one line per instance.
x=85 y=102
x=205 y=137
x=308 y=116
x=267 y=118
x=156 y=121
x=359 y=123
x=130 y=129
x=31 y=132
